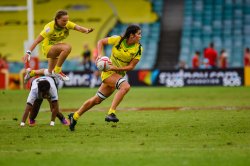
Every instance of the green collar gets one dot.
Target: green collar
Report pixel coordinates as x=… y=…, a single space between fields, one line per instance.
x=57 y=28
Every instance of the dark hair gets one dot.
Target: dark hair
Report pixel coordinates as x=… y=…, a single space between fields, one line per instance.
x=131 y=29
x=59 y=14
x=43 y=86
x=211 y=45
x=222 y=51
x=197 y=52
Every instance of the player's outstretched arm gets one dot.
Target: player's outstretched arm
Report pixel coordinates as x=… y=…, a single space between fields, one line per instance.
x=83 y=29
x=100 y=45
x=25 y=114
x=38 y=40
x=55 y=110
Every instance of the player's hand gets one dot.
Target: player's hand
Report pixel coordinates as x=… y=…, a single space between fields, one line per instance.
x=97 y=58
x=26 y=57
x=111 y=67
x=90 y=30
x=110 y=63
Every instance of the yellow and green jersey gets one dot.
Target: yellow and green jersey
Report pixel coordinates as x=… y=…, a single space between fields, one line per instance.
x=53 y=35
x=124 y=54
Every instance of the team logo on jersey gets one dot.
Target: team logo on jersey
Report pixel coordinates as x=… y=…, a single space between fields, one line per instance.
x=47 y=30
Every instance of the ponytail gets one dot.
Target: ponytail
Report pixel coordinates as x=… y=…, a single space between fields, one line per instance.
x=131 y=29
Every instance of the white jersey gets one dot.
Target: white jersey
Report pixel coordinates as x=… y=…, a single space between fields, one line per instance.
x=33 y=95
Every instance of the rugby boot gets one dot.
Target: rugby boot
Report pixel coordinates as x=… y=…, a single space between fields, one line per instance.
x=111 y=118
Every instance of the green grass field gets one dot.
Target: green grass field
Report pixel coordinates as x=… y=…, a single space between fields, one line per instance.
x=210 y=127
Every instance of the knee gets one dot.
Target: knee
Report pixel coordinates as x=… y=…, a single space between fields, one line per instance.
x=125 y=87
x=67 y=48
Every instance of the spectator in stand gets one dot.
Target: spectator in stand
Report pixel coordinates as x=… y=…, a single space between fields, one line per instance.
x=182 y=65
x=3 y=62
x=205 y=64
x=86 y=55
x=211 y=54
x=196 y=60
x=223 y=59
x=247 y=57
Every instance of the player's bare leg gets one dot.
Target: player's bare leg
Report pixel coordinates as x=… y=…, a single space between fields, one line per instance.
x=103 y=92
x=60 y=52
x=123 y=87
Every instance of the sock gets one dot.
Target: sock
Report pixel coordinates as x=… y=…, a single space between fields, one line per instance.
x=32 y=73
x=76 y=116
x=111 y=111
x=52 y=123
x=57 y=69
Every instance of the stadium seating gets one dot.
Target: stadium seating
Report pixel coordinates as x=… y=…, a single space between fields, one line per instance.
x=224 y=22
x=85 y=13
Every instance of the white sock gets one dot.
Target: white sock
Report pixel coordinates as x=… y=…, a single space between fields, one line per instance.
x=22 y=124
x=52 y=123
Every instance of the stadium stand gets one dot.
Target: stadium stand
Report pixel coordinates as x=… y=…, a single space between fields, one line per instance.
x=83 y=12
x=224 y=22
x=171 y=28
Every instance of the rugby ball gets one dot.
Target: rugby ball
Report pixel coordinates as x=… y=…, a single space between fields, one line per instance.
x=103 y=63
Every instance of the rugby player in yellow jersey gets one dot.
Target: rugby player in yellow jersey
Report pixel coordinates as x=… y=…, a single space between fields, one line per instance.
x=53 y=48
x=126 y=53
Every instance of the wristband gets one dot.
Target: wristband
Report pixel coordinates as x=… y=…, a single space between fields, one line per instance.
x=28 y=52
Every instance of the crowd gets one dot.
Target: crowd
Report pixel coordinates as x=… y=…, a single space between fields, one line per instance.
x=3 y=62
x=213 y=60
